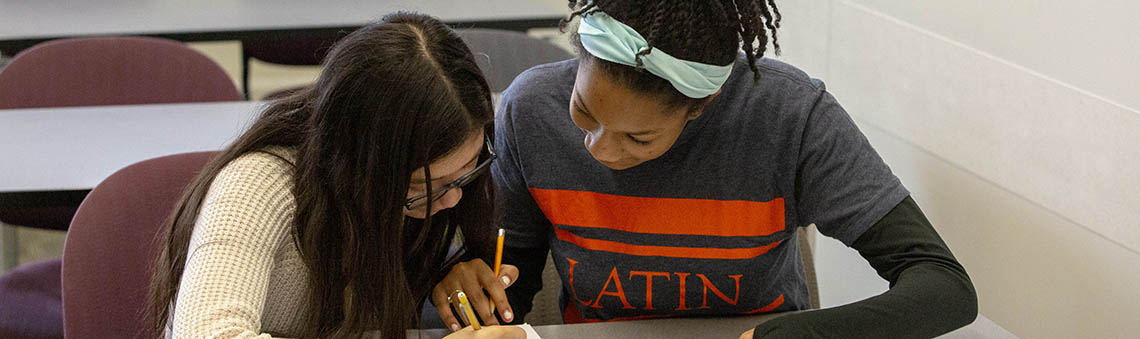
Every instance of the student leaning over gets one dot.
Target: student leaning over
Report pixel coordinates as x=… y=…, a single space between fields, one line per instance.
x=666 y=172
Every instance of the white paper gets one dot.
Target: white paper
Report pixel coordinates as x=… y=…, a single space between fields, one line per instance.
x=530 y=333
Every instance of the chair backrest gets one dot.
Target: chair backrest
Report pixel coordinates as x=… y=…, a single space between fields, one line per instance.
x=112 y=71
x=292 y=48
x=105 y=71
x=503 y=55
x=110 y=246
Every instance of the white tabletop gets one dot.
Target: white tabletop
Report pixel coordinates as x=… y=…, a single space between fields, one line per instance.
x=70 y=148
x=982 y=328
x=40 y=19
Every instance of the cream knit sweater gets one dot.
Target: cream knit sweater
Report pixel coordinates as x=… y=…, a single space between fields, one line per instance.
x=244 y=277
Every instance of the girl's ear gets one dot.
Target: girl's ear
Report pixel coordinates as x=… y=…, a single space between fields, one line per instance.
x=696 y=113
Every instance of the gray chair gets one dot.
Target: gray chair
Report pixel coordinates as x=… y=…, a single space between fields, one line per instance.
x=502 y=55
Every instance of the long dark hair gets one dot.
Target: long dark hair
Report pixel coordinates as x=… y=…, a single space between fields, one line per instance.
x=708 y=31
x=393 y=97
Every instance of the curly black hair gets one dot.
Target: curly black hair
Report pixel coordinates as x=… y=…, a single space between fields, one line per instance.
x=708 y=31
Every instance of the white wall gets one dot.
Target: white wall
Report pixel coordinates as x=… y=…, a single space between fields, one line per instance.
x=1015 y=124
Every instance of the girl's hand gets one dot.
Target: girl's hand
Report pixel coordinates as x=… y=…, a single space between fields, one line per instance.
x=474 y=278
x=506 y=332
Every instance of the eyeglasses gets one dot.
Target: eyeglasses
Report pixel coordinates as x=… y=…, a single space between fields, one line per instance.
x=421 y=200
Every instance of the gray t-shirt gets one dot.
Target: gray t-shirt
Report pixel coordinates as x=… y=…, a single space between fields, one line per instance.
x=709 y=227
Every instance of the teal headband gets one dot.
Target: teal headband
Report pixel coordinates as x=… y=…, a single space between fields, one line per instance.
x=609 y=39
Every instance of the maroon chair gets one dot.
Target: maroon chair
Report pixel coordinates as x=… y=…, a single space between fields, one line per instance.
x=105 y=71
x=110 y=246
x=112 y=71
x=89 y=72
x=34 y=291
x=292 y=48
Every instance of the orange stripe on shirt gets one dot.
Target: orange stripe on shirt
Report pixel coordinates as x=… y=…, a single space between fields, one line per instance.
x=665 y=251
x=661 y=215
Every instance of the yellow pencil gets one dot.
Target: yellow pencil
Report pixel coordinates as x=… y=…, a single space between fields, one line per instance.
x=498 y=257
x=465 y=307
x=499 y=252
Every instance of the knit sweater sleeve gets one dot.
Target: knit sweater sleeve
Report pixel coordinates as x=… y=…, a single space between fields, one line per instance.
x=244 y=218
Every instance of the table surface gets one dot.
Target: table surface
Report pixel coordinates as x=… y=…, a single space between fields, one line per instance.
x=40 y=19
x=711 y=328
x=75 y=148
